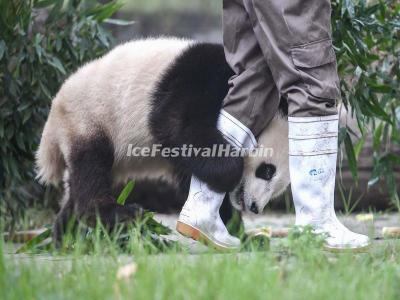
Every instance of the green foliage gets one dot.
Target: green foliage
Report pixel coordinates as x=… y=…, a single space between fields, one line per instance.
x=125 y=193
x=31 y=245
x=367 y=40
x=41 y=41
x=143 y=234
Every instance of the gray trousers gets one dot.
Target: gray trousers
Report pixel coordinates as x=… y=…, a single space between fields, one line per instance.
x=279 y=49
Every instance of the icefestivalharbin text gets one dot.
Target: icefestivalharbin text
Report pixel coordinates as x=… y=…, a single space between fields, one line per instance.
x=223 y=150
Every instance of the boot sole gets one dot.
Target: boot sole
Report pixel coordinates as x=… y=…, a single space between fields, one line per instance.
x=195 y=234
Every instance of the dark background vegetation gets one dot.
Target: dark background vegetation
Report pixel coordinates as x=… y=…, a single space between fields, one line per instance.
x=43 y=41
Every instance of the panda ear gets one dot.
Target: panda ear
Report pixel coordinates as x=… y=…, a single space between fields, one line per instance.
x=265 y=171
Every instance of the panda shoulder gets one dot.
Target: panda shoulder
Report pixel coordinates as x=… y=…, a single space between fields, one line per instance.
x=147 y=48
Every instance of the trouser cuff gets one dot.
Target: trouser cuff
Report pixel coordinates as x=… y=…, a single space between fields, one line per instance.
x=235 y=132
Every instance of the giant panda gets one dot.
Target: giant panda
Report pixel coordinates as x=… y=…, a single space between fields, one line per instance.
x=165 y=91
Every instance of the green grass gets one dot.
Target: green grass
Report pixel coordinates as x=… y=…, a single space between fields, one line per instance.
x=294 y=268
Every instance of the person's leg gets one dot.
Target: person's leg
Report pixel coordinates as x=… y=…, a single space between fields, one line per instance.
x=200 y=218
x=253 y=98
x=313 y=144
x=295 y=36
x=251 y=103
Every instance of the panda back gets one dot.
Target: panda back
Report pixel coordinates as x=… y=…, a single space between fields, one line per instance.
x=112 y=93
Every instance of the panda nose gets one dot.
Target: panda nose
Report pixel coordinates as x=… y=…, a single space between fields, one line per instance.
x=254 y=208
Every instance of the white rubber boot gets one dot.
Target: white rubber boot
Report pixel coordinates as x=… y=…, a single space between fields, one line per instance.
x=200 y=219
x=313 y=144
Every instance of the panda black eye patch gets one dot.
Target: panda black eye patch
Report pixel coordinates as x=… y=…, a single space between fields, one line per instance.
x=265 y=171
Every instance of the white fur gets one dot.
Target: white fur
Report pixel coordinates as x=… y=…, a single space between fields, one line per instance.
x=113 y=93
x=259 y=190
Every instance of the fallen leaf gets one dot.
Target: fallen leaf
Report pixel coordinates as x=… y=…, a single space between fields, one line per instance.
x=127 y=271
x=391 y=232
x=365 y=217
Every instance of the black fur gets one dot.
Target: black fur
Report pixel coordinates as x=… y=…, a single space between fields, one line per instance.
x=90 y=192
x=185 y=110
x=157 y=195
x=265 y=171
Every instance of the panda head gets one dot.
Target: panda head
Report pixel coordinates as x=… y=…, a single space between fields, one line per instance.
x=265 y=177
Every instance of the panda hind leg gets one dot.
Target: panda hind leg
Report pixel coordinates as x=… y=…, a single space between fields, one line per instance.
x=64 y=222
x=91 y=162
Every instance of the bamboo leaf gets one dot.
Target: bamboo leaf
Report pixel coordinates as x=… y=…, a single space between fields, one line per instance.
x=350 y=8
x=374 y=180
x=55 y=12
x=391 y=185
x=119 y=22
x=381 y=88
x=102 y=12
x=44 y=3
x=3 y=48
x=55 y=62
x=359 y=146
x=351 y=157
x=397 y=116
x=33 y=243
x=377 y=137
x=155 y=226
x=392 y=159
x=125 y=193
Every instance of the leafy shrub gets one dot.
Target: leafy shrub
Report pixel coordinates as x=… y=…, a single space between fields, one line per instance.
x=367 y=40
x=41 y=41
